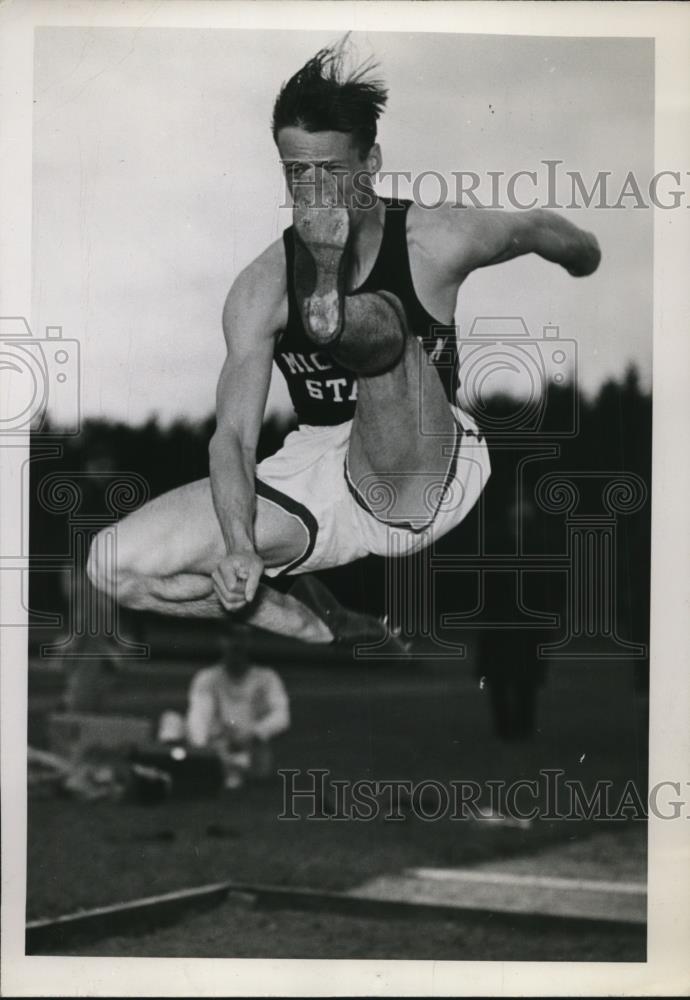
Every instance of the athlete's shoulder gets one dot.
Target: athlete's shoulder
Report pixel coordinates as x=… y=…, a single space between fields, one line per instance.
x=260 y=291
x=267 y=270
x=452 y=216
x=456 y=236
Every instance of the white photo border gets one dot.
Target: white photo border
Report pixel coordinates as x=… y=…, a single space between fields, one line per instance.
x=666 y=971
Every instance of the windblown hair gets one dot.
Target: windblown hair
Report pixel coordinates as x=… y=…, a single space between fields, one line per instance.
x=324 y=97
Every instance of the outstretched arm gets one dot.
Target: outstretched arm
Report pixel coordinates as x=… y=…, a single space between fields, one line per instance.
x=476 y=237
x=550 y=236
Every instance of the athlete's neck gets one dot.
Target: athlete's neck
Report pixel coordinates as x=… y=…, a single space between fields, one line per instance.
x=368 y=218
x=366 y=229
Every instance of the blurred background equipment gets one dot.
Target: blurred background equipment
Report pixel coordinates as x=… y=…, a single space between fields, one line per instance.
x=74 y=735
x=94 y=750
x=159 y=771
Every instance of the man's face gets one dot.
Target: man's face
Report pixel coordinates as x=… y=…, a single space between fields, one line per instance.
x=305 y=155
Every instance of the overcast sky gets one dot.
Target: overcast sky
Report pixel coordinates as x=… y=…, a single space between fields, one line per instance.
x=156 y=180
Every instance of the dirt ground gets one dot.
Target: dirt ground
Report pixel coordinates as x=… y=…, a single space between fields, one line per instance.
x=238 y=932
x=377 y=723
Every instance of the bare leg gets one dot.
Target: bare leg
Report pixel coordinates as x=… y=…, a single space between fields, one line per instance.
x=404 y=432
x=161 y=558
x=189 y=595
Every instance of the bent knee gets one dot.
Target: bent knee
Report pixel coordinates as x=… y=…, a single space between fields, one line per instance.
x=97 y=562
x=280 y=537
x=111 y=568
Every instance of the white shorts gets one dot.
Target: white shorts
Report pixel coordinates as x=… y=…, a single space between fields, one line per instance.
x=309 y=479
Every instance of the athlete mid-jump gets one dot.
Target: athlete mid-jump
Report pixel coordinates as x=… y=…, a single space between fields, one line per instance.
x=355 y=304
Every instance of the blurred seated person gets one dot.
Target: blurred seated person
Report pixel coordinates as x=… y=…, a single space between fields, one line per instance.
x=236 y=709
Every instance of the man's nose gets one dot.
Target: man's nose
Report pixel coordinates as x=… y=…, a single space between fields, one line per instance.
x=313 y=182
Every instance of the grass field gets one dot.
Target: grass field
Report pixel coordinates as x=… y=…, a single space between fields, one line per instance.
x=380 y=723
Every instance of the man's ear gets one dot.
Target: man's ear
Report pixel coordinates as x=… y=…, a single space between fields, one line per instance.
x=374 y=159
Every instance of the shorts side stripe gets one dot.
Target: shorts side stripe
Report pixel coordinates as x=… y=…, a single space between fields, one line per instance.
x=295 y=509
x=416 y=529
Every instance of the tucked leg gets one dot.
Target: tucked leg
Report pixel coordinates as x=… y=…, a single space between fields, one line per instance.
x=160 y=558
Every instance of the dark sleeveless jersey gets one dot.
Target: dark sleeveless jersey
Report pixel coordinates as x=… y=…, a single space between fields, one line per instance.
x=322 y=391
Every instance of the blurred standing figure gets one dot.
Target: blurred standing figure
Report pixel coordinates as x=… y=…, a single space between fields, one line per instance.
x=509 y=662
x=236 y=708
x=513 y=675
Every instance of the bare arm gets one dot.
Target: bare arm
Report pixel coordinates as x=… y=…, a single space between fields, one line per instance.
x=251 y=319
x=471 y=238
